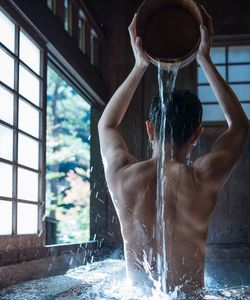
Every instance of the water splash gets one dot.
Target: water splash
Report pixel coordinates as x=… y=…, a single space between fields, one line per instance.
x=106 y=280
x=166 y=80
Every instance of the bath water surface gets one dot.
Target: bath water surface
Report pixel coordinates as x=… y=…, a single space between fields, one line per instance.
x=106 y=280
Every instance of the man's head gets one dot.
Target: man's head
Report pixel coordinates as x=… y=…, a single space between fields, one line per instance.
x=183 y=118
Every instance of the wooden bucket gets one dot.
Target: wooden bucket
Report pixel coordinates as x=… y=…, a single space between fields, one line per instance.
x=169 y=30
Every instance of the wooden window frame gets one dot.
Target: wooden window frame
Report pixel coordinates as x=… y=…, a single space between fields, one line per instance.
x=68 y=16
x=58 y=47
x=78 y=11
x=225 y=41
x=52 y=6
x=38 y=240
x=83 y=76
x=94 y=48
x=14 y=238
x=82 y=30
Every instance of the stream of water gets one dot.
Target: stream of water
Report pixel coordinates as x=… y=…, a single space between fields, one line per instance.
x=166 y=81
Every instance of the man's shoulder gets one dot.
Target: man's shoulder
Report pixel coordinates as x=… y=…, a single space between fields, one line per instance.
x=121 y=160
x=127 y=172
x=137 y=174
x=138 y=169
x=207 y=168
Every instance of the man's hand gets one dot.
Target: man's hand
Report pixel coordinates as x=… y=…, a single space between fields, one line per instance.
x=206 y=36
x=141 y=59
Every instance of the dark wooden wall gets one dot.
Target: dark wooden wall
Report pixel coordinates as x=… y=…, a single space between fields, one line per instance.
x=230 y=17
x=229 y=225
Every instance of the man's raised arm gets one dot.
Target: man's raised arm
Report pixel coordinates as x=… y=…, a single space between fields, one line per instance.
x=227 y=149
x=112 y=144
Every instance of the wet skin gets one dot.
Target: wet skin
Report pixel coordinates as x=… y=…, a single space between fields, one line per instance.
x=191 y=194
x=189 y=203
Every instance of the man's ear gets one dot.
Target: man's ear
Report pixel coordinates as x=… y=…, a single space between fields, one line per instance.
x=150 y=130
x=196 y=135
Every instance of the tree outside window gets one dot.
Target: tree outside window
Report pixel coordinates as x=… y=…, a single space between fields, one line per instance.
x=67 y=163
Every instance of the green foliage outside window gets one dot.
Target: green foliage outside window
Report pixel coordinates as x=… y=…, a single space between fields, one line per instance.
x=67 y=162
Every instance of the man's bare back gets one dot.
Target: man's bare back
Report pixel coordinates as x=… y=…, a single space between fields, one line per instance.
x=191 y=191
x=188 y=206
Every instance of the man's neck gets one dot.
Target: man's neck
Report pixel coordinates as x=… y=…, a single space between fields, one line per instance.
x=173 y=152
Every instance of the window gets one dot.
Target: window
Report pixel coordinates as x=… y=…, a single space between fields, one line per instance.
x=67 y=16
x=94 y=48
x=82 y=31
x=52 y=5
x=21 y=139
x=68 y=163
x=233 y=63
x=79 y=25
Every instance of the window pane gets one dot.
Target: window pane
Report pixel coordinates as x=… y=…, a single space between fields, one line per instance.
x=239 y=73
x=29 y=53
x=202 y=78
x=27 y=185
x=242 y=91
x=212 y=113
x=239 y=54
x=82 y=31
x=28 y=151
x=67 y=15
x=206 y=94
x=246 y=108
x=28 y=119
x=6 y=177
x=7 y=32
x=7 y=69
x=68 y=163
x=5 y=217
x=51 y=4
x=218 y=55
x=6 y=104
x=27 y=216
x=29 y=86
x=6 y=143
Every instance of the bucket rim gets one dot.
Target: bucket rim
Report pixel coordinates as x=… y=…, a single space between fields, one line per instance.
x=166 y=60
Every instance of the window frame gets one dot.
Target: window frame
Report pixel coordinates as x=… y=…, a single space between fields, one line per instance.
x=82 y=31
x=88 y=36
x=94 y=48
x=22 y=25
x=225 y=41
x=54 y=63
x=85 y=79
x=59 y=46
x=68 y=16
x=52 y=5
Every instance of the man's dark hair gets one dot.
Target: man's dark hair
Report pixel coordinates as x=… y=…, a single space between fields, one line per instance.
x=183 y=115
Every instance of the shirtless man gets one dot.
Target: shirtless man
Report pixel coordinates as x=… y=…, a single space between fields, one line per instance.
x=191 y=190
